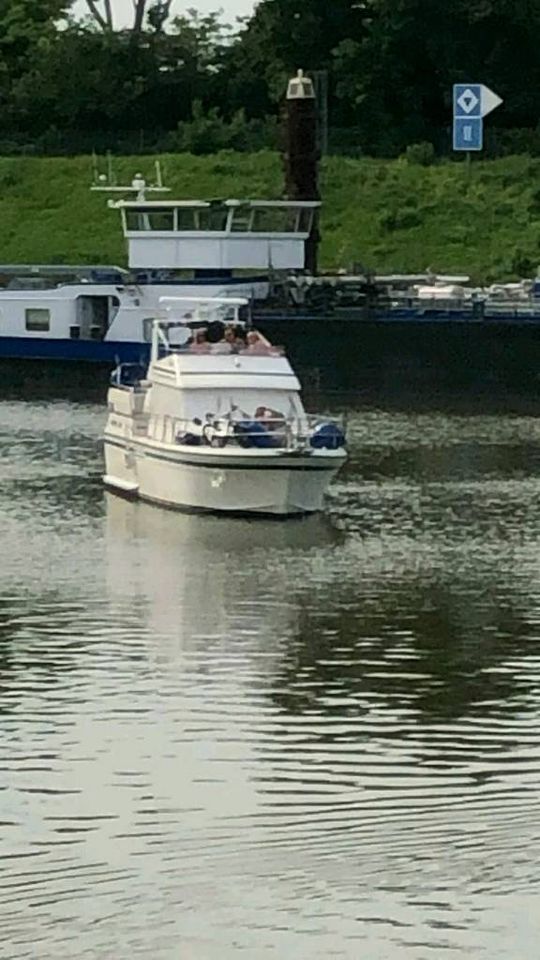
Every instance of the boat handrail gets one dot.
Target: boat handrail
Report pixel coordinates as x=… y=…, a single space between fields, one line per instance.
x=217 y=349
x=293 y=433
x=204 y=309
x=161 y=327
x=214 y=301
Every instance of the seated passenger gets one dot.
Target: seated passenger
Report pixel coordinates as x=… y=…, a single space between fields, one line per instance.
x=257 y=344
x=215 y=331
x=234 y=338
x=271 y=419
x=199 y=343
x=223 y=346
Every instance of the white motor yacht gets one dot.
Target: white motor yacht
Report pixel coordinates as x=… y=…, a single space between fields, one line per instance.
x=216 y=423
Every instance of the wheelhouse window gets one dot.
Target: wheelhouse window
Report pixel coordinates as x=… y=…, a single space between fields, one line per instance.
x=38 y=319
x=305 y=220
x=182 y=219
x=152 y=219
x=161 y=219
x=201 y=218
x=185 y=218
x=242 y=220
x=211 y=218
x=274 y=220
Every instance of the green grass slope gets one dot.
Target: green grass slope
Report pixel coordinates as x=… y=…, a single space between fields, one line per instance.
x=385 y=215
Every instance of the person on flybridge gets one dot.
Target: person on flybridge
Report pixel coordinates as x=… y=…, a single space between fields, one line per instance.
x=232 y=341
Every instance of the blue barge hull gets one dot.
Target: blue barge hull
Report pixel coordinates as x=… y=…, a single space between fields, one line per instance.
x=366 y=358
x=287 y=324
x=358 y=317
x=349 y=352
x=91 y=351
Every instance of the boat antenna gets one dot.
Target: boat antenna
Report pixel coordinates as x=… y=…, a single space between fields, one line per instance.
x=106 y=182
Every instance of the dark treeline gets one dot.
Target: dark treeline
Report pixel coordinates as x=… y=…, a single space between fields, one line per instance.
x=190 y=83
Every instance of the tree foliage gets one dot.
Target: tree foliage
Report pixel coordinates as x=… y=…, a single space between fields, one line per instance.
x=398 y=79
x=390 y=66
x=154 y=13
x=391 y=63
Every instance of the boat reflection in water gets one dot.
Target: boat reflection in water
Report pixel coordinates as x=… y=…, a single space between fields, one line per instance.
x=195 y=578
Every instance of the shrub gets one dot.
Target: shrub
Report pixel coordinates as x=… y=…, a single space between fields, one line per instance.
x=208 y=132
x=420 y=154
x=390 y=220
x=507 y=142
x=522 y=264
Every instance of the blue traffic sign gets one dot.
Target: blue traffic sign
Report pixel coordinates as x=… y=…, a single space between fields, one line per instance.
x=468 y=100
x=472 y=102
x=468 y=133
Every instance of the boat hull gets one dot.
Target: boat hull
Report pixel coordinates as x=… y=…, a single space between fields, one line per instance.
x=109 y=352
x=284 y=486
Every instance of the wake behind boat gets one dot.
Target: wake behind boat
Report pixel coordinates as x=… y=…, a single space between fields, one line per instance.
x=216 y=422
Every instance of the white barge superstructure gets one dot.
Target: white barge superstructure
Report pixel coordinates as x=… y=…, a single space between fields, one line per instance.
x=183 y=248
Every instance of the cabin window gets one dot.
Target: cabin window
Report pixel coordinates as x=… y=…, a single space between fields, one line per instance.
x=133 y=220
x=38 y=319
x=274 y=220
x=242 y=220
x=305 y=220
x=185 y=218
x=161 y=219
x=114 y=306
x=147 y=327
x=201 y=218
x=156 y=219
x=211 y=219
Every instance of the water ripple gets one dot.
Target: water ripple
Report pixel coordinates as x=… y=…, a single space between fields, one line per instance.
x=317 y=739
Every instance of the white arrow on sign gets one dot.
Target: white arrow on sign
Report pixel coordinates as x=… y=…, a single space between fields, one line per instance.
x=490 y=101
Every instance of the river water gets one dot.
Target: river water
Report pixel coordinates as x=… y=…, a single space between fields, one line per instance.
x=305 y=739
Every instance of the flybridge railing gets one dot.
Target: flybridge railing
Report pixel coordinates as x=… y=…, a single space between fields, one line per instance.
x=293 y=434
x=202 y=306
x=195 y=312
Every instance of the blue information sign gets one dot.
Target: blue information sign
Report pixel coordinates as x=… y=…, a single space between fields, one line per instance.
x=472 y=102
x=468 y=133
x=468 y=100
x=468 y=121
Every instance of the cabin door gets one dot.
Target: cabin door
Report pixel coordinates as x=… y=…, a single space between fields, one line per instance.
x=92 y=318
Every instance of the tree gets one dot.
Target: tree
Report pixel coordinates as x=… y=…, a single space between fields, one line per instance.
x=396 y=82
x=282 y=36
x=155 y=13
x=103 y=17
x=158 y=15
x=122 y=88
x=391 y=64
x=27 y=27
x=26 y=23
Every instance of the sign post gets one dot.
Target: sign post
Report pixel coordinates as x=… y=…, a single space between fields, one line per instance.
x=472 y=102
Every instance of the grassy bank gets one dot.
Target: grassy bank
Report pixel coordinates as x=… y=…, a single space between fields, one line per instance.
x=385 y=215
